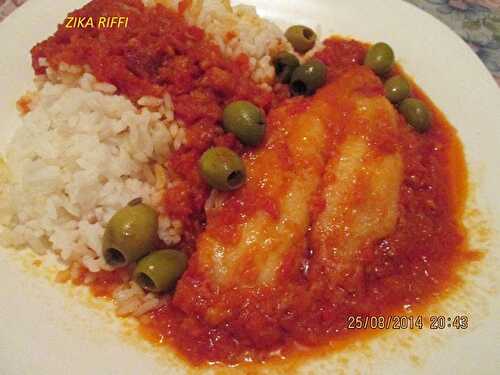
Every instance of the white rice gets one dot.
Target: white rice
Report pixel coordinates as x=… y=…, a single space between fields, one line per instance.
x=132 y=300
x=80 y=155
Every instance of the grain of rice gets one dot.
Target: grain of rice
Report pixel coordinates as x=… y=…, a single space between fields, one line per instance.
x=149 y=101
x=160 y=176
x=126 y=292
x=167 y=99
x=146 y=306
x=86 y=81
x=128 y=307
x=167 y=232
x=92 y=264
x=149 y=302
x=131 y=299
x=105 y=88
x=173 y=129
x=177 y=143
x=167 y=108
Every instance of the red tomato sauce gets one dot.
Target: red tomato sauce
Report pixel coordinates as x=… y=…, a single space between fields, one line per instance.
x=160 y=53
x=401 y=273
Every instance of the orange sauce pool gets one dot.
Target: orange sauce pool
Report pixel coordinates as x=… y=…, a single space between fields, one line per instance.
x=410 y=268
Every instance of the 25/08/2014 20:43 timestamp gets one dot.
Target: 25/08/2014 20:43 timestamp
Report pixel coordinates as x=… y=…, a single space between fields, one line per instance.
x=434 y=322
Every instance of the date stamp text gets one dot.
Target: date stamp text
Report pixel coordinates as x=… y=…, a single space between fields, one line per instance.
x=417 y=322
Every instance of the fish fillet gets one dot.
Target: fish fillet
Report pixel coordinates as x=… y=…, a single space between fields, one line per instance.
x=336 y=146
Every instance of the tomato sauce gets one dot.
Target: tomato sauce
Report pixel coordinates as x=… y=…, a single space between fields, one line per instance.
x=160 y=53
x=414 y=265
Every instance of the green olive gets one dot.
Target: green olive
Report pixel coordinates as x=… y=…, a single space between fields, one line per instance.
x=380 y=58
x=245 y=121
x=302 y=38
x=130 y=234
x=160 y=270
x=222 y=169
x=416 y=114
x=284 y=65
x=307 y=78
x=397 y=89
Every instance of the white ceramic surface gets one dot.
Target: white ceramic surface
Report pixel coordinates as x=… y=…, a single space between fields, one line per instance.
x=53 y=329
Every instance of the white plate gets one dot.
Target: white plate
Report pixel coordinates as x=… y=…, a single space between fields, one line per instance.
x=47 y=329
